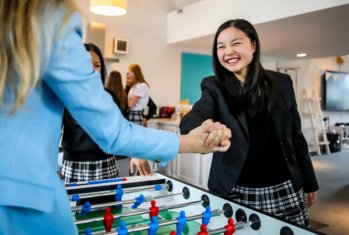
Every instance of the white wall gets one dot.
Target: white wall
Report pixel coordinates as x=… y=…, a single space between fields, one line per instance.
x=144 y=25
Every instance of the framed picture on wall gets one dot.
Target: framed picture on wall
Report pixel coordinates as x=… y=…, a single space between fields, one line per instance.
x=120 y=46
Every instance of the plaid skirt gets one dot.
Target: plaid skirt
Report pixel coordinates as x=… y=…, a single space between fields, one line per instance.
x=91 y=170
x=280 y=200
x=136 y=116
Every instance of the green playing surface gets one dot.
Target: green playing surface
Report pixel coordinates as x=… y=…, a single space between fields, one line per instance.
x=191 y=227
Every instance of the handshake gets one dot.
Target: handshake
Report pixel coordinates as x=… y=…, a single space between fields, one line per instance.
x=208 y=137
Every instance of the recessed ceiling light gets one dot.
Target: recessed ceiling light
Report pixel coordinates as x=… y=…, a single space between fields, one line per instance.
x=301 y=54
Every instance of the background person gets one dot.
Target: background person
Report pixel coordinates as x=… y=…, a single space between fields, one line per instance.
x=138 y=97
x=83 y=160
x=114 y=86
x=152 y=108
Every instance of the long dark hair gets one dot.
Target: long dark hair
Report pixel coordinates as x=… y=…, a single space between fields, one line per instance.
x=259 y=91
x=114 y=84
x=94 y=48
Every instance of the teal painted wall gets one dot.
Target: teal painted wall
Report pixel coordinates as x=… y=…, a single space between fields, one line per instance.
x=194 y=67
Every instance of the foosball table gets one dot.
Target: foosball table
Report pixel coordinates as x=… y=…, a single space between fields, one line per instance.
x=162 y=205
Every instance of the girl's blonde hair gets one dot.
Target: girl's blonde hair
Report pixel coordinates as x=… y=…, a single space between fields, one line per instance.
x=114 y=84
x=136 y=69
x=21 y=27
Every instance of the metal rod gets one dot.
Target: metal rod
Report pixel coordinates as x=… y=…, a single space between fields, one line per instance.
x=94 y=184
x=107 y=204
x=161 y=208
x=96 y=219
x=238 y=226
x=111 y=182
x=112 y=192
x=216 y=212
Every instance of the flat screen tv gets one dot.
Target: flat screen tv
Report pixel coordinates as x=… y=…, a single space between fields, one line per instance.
x=336 y=91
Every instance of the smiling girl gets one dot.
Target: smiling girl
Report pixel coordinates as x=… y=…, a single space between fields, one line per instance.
x=267 y=165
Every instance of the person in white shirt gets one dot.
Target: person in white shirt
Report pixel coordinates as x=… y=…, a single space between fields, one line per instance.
x=138 y=98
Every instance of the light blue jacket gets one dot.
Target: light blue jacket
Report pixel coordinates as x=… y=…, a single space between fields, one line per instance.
x=30 y=190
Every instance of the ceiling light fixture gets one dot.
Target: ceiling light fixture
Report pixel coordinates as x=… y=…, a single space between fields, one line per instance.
x=108 y=7
x=301 y=54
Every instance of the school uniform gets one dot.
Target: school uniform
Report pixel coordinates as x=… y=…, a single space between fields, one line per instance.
x=141 y=90
x=288 y=146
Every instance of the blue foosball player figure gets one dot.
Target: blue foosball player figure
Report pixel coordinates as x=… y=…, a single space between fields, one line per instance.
x=122 y=230
x=182 y=220
x=139 y=201
x=119 y=193
x=206 y=215
x=153 y=226
x=85 y=208
x=75 y=198
x=158 y=187
x=88 y=231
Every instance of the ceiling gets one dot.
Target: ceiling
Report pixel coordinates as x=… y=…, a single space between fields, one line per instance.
x=323 y=33
x=182 y=3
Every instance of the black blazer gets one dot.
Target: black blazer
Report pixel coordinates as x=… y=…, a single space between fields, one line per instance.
x=226 y=166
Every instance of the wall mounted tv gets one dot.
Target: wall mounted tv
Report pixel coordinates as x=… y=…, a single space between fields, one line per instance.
x=335 y=91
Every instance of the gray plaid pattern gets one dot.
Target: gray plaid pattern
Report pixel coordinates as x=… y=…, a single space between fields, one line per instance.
x=135 y=117
x=91 y=170
x=280 y=200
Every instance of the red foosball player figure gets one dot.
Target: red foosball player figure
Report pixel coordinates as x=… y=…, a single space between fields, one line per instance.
x=153 y=210
x=230 y=227
x=203 y=230
x=172 y=233
x=108 y=220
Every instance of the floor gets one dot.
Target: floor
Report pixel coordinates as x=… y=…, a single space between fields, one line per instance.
x=330 y=215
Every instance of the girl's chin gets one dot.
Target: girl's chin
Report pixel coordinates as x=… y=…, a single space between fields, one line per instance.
x=233 y=69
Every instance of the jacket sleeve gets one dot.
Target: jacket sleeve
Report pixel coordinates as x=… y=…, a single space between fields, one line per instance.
x=301 y=147
x=71 y=77
x=203 y=109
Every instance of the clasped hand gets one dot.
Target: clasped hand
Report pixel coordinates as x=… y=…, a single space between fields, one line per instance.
x=208 y=137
